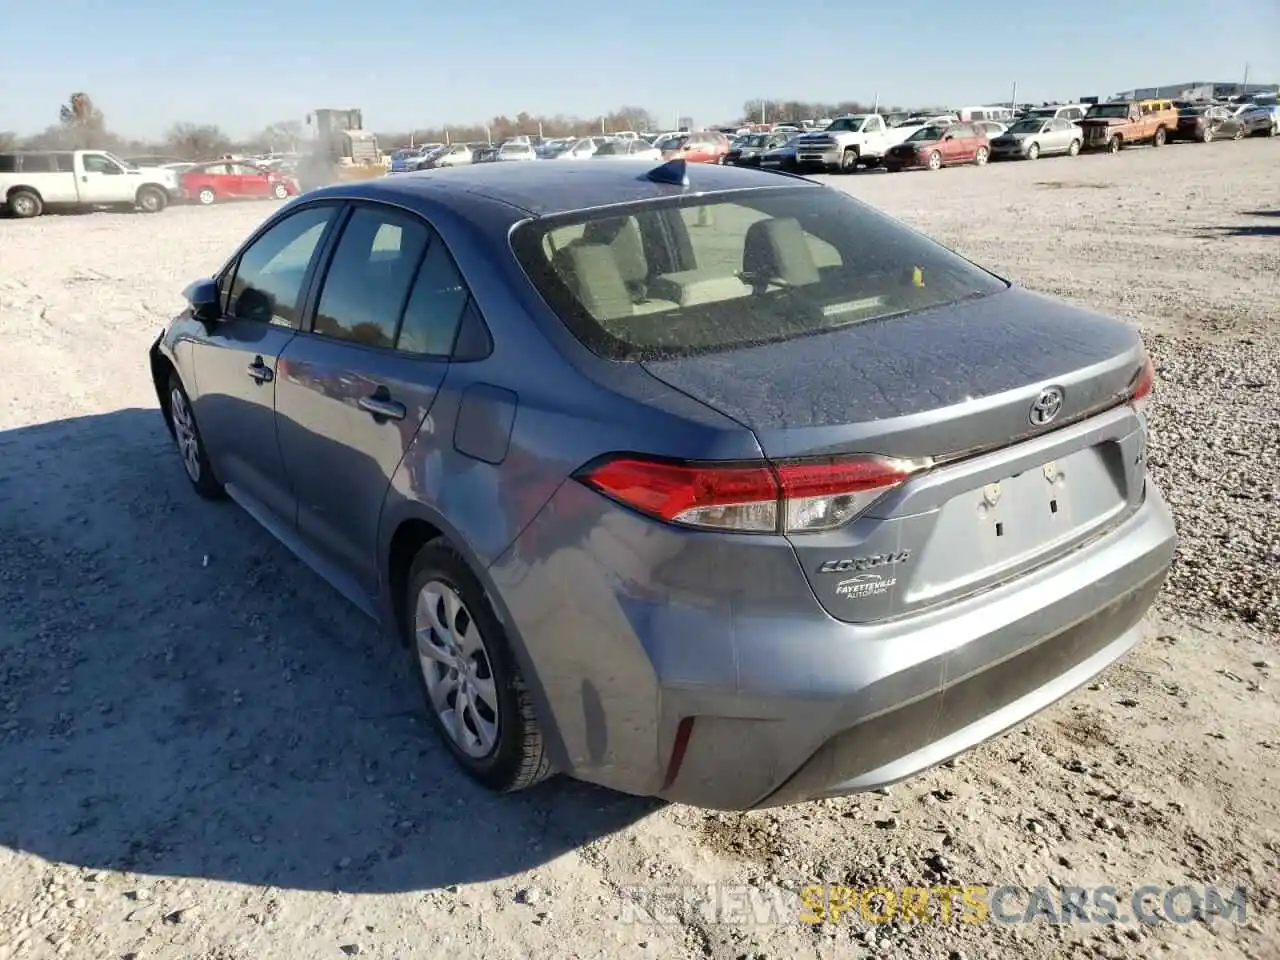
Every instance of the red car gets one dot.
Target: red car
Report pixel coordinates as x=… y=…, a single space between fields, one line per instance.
x=938 y=147
x=704 y=147
x=235 y=180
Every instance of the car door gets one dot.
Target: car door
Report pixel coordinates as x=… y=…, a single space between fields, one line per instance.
x=235 y=364
x=253 y=181
x=958 y=144
x=362 y=377
x=101 y=179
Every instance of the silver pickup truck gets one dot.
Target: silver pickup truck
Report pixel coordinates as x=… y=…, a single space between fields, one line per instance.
x=35 y=180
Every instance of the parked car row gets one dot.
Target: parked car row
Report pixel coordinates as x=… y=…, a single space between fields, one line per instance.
x=870 y=141
x=34 y=181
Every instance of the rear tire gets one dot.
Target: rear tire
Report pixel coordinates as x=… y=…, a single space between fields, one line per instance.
x=518 y=757
x=1239 y=134
x=980 y=158
x=1206 y=135
x=1161 y=135
x=152 y=200
x=280 y=192
x=206 y=196
x=25 y=204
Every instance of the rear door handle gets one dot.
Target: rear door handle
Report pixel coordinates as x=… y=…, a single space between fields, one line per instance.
x=260 y=372
x=382 y=407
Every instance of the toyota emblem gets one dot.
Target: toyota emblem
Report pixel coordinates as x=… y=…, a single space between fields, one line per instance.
x=1047 y=406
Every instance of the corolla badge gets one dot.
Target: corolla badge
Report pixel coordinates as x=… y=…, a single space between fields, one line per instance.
x=865 y=563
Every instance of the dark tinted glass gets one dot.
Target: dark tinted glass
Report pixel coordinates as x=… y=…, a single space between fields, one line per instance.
x=435 y=306
x=268 y=278
x=369 y=278
x=8 y=163
x=39 y=163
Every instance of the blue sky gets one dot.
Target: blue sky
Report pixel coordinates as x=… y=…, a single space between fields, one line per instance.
x=242 y=64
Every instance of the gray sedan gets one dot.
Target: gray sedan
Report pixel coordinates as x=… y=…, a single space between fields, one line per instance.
x=691 y=481
x=1034 y=137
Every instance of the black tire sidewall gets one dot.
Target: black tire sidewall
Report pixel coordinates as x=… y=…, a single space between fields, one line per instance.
x=439 y=561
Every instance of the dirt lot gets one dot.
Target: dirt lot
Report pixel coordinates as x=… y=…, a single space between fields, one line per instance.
x=205 y=753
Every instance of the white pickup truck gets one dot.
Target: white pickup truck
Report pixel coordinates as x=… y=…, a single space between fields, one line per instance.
x=32 y=181
x=847 y=142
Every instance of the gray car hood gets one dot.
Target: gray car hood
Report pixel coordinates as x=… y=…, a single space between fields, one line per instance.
x=933 y=383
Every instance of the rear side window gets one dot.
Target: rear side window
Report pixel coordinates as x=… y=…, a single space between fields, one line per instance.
x=39 y=163
x=707 y=273
x=8 y=163
x=369 y=277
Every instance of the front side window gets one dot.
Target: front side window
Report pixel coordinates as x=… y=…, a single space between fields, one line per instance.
x=100 y=163
x=269 y=275
x=700 y=274
x=369 y=277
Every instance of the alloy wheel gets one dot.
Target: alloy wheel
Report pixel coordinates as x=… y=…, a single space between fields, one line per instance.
x=457 y=670
x=184 y=433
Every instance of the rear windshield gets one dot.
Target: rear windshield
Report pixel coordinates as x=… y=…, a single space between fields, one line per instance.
x=707 y=273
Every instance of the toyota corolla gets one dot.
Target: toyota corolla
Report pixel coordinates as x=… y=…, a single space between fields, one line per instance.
x=696 y=482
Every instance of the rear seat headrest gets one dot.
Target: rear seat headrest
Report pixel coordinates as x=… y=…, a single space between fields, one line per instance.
x=591 y=272
x=775 y=251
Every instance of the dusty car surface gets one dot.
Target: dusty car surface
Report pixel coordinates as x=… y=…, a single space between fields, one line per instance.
x=938 y=147
x=691 y=480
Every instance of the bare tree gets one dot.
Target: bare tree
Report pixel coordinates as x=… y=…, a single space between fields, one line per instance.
x=82 y=121
x=197 y=141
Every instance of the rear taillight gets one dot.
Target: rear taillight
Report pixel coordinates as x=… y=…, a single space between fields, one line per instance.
x=755 y=497
x=1143 y=384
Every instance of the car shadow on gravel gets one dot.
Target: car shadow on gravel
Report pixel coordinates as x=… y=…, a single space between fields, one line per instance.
x=180 y=696
x=1245 y=230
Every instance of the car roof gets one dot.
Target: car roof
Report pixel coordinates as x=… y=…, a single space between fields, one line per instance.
x=545 y=189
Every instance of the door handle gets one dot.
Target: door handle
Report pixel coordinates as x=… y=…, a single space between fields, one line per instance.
x=260 y=372
x=382 y=407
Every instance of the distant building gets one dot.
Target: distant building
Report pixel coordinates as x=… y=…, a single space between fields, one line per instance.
x=1198 y=90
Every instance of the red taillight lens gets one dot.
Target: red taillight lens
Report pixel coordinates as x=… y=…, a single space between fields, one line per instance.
x=1142 y=386
x=757 y=497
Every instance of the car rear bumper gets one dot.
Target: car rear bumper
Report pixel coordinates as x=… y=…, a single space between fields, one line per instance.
x=700 y=669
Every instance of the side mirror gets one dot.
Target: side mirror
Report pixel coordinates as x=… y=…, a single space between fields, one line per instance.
x=205 y=300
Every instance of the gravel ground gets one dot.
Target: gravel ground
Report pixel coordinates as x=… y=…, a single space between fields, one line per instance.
x=208 y=754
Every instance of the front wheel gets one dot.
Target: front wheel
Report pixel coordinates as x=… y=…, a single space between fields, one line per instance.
x=1206 y=135
x=1033 y=152
x=980 y=158
x=849 y=161
x=476 y=698
x=280 y=191
x=190 y=444
x=206 y=196
x=935 y=161
x=1074 y=149
x=1239 y=134
x=1113 y=145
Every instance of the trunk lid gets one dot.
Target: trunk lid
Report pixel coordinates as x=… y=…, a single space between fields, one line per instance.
x=955 y=384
